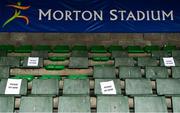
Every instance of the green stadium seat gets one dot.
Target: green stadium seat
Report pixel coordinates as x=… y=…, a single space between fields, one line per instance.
x=58 y=77
x=10 y=61
x=175 y=53
x=7 y=104
x=115 y=48
x=112 y=104
x=147 y=61
x=78 y=62
x=61 y=49
x=124 y=62
x=129 y=72
x=116 y=54
x=45 y=87
x=41 y=54
x=26 y=77
x=25 y=63
x=152 y=104
x=8 y=48
x=156 y=72
x=5 y=72
x=149 y=49
x=100 y=58
x=37 y=104
x=138 y=87
x=74 y=104
x=78 y=76
x=98 y=86
x=23 y=49
x=175 y=104
x=54 y=67
x=104 y=71
x=3 y=53
x=168 y=86
x=78 y=86
x=158 y=54
x=42 y=48
x=135 y=49
x=98 y=49
x=169 y=48
x=79 y=48
x=176 y=61
x=175 y=72
x=23 y=89
x=77 y=53
x=58 y=58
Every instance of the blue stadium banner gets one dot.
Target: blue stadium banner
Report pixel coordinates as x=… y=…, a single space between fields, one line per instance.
x=90 y=16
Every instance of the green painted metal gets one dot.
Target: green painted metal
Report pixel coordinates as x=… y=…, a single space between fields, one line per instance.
x=37 y=104
x=100 y=58
x=152 y=104
x=169 y=48
x=41 y=54
x=175 y=72
x=45 y=86
x=23 y=49
x=175 y=53
x=77 y=76
x=135 y=49
x=5 y=72
x=147 y=61
x=98 y=49
x=98 y=87
x=54 y=67
x=7 y=104
x=58 y=77
x=129 y=72
x=79 y=48
x=79 y=53
x=158 y=54
x=61 y=49
x=175 y=104
x=104 y=71
x=58 y=58
x=124 y=62
x=149 y=49
x=115 y=48
x=112 y=104
x=25 y=63
x=74 y=104
x=8 y=48
x=156 y=72
x=138 y=87
x=23 y=89
x=27 y=77
x=78 y=62
x=42 y=48
x=116 y=54
x=168 y=86
x=10 y=61
x=78 y=86
x=3 y=53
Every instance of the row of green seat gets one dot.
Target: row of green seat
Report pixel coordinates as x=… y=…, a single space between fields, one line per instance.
x=82 y=104
x=82 y=87
x=94 y=49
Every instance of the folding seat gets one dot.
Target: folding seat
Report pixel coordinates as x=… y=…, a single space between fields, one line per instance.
x=104 y=71
x=58 y=58
x=23 y=49
x=74 y=104
x=25 y=62
x=42 y=48
x=7 y=104
x=156 y=72
x=117 y=51
x=138 y=87
x=112 y=104
x=23 y=88
x=150 y=104
x=25 y=76
x=54 y=67
x=168 y=86
x=3 y=53
x=151 y=48
x=45 y=86
x=61 y=49
x=98 y=86
x=41 y=54
x=129 y=72
x=169 y=48
x=10 y=61
x=79 y=51
x=115 y=48
x=175 y=104
x=76 y=86
x=79 y=48
x=135 y=49
x=8 y=48
x=176 y=53
x=175 y=72
x=77 y=76
x=5 y=72
x=147 y=61
x=176 y=61
x=160 y=53
x=98 y=49
x=124 y=62
x=78 y=62
x=37 y=104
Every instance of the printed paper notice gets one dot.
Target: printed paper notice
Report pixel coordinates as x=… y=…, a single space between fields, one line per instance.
x=169 y=61
x=33 y=61
x=108 y=87
x=13 y=86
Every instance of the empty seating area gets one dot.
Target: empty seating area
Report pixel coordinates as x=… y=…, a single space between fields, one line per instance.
x=69 y=79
